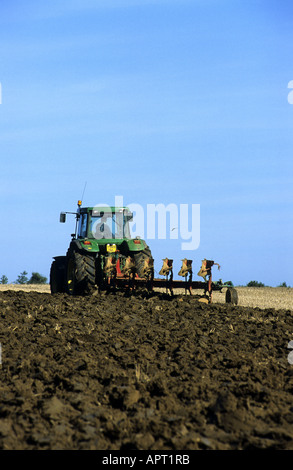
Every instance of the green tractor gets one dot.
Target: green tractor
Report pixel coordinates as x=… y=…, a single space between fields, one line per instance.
x=101 y=253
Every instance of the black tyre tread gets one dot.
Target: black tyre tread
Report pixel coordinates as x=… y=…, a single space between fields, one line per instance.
x=139 y=258
x=53 y=278
x=85 y=268
x=57 y=276
x=85 y=273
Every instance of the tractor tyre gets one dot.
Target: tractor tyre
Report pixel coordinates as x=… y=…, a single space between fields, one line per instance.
x=232 y=296
x=139 y=258
x=57 y=275
x=81 y=274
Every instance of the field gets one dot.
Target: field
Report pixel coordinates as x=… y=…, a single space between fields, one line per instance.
x=111 y=372
x=262 y=297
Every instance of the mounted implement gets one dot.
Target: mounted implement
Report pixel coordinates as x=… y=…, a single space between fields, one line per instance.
x=103 y=255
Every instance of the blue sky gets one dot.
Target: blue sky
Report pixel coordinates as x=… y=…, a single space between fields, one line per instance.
x=160 y=101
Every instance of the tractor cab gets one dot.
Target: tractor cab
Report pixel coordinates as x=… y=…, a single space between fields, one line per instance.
x=110 y=223
x=101 y=223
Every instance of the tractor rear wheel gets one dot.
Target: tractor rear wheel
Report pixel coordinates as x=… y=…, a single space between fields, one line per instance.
x=139 y=258
x=81 y=274
x=57 y=275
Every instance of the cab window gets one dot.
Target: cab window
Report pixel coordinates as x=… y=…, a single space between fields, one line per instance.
x=82 y=225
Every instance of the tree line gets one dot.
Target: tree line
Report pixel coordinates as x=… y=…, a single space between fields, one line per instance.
x=261 y=284
x=22 y=278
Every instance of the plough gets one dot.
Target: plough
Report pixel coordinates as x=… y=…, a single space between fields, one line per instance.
x=128 y=278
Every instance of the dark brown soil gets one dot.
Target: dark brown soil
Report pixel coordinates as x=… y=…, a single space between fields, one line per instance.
x=112 y=372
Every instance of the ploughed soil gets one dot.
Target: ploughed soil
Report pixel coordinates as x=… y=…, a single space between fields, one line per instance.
x=117 y=372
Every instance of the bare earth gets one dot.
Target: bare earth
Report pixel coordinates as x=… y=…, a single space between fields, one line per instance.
x=114 y=372
x=261 y=297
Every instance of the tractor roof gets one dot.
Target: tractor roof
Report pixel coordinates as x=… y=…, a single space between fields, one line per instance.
x=104 y=209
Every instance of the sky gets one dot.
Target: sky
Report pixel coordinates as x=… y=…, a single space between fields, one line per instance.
x=183 y=102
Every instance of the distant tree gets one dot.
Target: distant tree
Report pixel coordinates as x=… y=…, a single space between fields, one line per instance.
x=37 y=278
x=283 y=285
x=22 y=278
x=255 y=284
x=229 y=283
x=4 y=279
